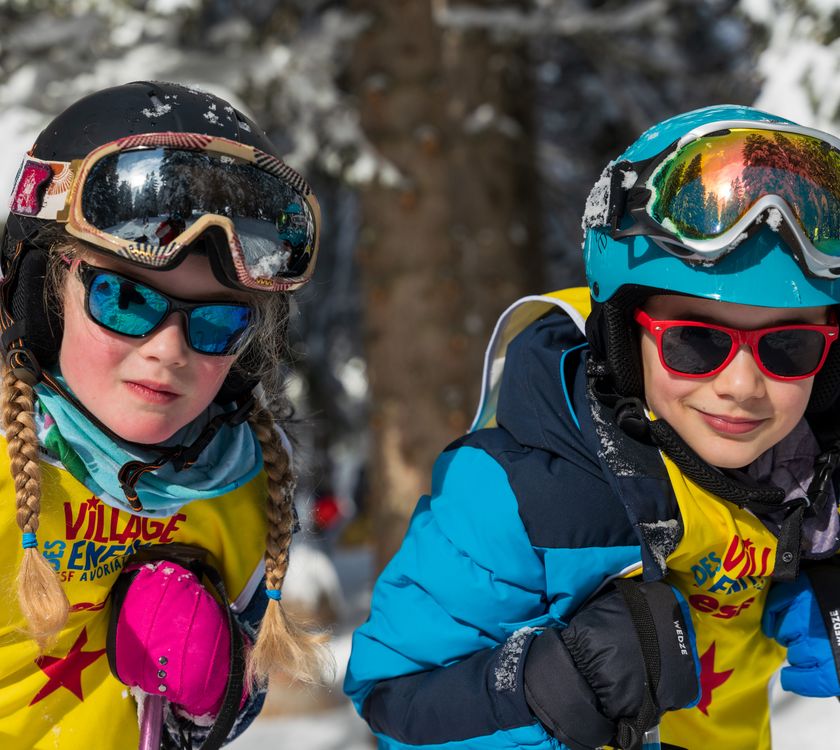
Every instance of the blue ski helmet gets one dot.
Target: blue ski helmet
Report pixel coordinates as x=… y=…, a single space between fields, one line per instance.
x=629 y=256
x=761 y=270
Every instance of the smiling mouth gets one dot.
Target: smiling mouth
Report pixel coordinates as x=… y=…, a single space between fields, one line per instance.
x=731 y=425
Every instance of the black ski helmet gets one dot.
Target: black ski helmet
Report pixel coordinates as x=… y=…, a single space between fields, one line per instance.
x=30 y=328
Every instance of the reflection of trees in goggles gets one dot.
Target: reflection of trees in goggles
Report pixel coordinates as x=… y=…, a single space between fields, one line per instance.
x=147 y=197
x=707 y=186
x=150 y=196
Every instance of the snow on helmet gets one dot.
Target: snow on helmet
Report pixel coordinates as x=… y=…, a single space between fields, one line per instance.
x=627 y=260
x=133 y=109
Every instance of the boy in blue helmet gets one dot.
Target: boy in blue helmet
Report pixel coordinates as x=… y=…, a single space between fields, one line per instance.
x=644 y=516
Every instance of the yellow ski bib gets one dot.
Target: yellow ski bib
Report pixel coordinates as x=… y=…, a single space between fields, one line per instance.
x=723 y=566
x=67 y=698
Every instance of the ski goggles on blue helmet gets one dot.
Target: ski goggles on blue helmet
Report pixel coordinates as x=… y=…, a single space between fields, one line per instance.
x=722 y=181
x=145 y=198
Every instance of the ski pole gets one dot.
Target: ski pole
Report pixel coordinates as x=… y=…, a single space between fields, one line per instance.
x=152 y=723
x=650 y=741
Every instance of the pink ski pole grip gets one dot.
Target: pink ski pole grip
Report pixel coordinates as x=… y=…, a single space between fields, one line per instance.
x=172 y=639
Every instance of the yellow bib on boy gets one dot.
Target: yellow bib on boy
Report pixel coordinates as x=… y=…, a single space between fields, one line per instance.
x=67 y=699
x=723 y=566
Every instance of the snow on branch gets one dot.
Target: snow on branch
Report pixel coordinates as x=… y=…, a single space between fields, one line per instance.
x=548 y=21
x=290 y=81
x=800 y=68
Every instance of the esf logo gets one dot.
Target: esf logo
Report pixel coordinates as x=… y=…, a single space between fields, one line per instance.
x=710 y=605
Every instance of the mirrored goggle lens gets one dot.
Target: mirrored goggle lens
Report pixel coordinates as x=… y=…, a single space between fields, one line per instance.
x=130 y=309
x=712 y=182
x=150 y=196
x=697 y=350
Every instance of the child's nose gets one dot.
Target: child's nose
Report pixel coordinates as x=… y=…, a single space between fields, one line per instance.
x=168 y=344
x=741 y=379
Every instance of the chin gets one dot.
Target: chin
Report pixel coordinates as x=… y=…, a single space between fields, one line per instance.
x=144 y=434
x=726 y=458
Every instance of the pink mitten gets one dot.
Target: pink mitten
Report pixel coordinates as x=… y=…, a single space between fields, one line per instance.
x=172 y=639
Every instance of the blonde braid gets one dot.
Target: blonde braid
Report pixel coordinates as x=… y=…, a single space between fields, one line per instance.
x=41 y=597
x=282 y=644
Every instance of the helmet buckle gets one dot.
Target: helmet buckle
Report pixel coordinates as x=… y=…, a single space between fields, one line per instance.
x=24 y=366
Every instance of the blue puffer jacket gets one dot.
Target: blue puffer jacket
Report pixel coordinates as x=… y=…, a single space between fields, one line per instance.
x=525 y=521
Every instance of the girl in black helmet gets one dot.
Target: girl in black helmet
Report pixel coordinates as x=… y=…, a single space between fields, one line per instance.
x=141 y=391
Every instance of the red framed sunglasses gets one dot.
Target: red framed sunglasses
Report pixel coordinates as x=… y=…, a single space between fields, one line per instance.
x=692 y=349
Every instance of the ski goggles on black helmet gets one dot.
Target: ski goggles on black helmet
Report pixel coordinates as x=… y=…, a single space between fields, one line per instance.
x=710 y=189
x=147 y=197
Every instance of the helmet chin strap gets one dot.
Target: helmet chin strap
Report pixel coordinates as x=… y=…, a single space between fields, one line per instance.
x=180 y=456
x=631 y=418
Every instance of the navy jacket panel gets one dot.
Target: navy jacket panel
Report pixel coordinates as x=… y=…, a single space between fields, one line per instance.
x=522 y=525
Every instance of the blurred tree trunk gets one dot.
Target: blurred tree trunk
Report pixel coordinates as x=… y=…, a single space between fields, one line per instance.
x=445 y=252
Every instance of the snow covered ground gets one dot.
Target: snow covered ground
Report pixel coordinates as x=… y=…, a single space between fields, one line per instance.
x=797 y=723
x=336 y=729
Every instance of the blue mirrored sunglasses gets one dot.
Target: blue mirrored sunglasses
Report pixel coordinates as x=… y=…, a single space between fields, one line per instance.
x=129 y=308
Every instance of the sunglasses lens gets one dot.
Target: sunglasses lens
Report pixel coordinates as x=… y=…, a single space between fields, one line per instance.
x=151 y=196
x=217 y=329
x=791 y=353
x=695 y=350
x=710 y=183
x=123 y=306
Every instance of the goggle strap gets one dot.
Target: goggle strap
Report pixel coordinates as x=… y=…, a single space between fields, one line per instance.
x=617 y=200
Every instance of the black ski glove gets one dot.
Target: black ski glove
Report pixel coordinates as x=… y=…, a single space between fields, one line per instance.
x=624 y=659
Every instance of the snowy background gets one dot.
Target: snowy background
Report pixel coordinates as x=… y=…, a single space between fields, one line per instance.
x=599 y=72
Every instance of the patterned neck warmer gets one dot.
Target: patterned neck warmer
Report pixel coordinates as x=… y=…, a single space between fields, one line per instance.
x=232 y=458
